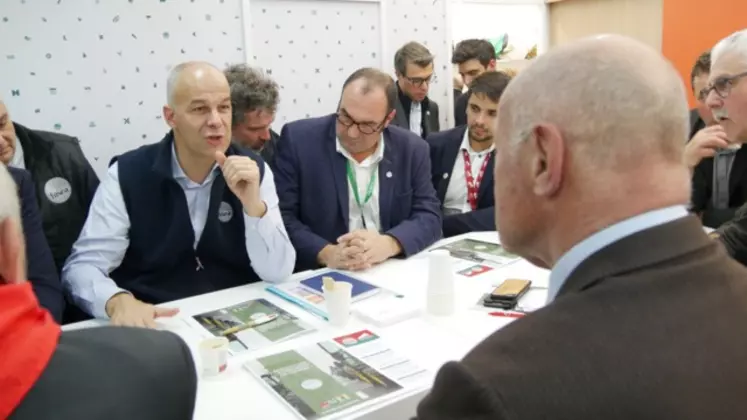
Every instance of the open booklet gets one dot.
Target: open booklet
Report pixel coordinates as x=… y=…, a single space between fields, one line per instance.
x=250 y=325
x=308 y=294
x=332 y=378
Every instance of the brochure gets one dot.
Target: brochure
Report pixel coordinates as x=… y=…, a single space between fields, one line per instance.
x=309 y=297
x=477 y=257
x=330 y=378
x=252 y=325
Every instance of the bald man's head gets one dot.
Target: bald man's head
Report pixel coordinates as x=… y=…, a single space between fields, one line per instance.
x=584 y=126
x=12 y=255
x=198 y=110
x=612 y=98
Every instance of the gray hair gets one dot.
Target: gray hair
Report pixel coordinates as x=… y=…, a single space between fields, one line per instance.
x=251 y=89
x=412 y=52
x=9 y=204
x=734 y=43
x=175 y=74
x=611 y=109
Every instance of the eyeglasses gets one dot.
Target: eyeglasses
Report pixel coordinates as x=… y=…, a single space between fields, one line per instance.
x=721 y=85
x=363 y=127
x=418 y=81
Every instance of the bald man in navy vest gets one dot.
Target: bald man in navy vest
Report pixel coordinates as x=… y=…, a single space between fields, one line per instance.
x=189 y=215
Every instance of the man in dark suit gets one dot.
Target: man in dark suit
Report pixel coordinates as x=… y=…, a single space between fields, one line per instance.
x=462 y=161
x=254 y=101
x=413 y=64
x=65 y=181
x=355 y=191
x=643 y=307
x=41 y=270
x=473 y=57
x=114 y=373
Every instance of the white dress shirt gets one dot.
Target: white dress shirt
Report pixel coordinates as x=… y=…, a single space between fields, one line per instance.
x=17 y=160
x=455 y=200
x=363 y=173
x=103 y=240
x=565 y=266
x=416 y=118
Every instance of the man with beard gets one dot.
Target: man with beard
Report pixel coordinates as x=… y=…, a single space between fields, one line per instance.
x=354 y=189
x=462 y=160
x=189 y=215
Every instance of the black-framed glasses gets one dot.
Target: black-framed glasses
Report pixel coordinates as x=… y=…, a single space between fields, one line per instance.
x=418 y=81
x=363 y=127
x=721 y=85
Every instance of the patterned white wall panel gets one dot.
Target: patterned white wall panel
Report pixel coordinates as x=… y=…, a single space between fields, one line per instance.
x=97 y=69
x=311 y=47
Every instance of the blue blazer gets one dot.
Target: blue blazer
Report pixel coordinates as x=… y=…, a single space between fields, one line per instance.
x=444 y=152
x=312 y=187
x=41 y=270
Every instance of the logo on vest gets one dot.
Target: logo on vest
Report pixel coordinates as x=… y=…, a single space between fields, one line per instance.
x=58 y=190
x=225 y=212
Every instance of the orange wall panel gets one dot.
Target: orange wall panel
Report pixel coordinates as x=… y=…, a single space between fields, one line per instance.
x=690 y=27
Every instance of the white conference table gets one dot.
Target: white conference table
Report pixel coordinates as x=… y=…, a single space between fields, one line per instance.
x=428 y=340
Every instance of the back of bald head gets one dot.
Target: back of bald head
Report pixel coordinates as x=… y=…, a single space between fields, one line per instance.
x=189 y=73
x=614 y=99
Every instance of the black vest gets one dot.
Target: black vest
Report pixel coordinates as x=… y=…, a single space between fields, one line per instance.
x=161 y=263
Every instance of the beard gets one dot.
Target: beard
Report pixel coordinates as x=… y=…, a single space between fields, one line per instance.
x=484 y=136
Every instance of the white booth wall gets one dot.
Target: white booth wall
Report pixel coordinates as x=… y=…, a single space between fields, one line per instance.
x=96 y=69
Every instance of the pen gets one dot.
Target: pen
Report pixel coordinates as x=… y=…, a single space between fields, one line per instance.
x=507 y=314
x=262 y=321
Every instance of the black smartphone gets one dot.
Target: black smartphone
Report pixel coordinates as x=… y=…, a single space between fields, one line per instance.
x=511 y=290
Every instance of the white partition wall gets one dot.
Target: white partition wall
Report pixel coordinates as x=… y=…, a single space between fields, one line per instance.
x=97 y=69
x=311 y=46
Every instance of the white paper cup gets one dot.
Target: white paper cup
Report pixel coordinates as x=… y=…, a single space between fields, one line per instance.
x=338 y=303
x=214 y=355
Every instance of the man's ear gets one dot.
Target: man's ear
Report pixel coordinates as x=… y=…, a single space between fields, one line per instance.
x=548 y=148
x=12 y=256
x=389 y=118
x=168 y=116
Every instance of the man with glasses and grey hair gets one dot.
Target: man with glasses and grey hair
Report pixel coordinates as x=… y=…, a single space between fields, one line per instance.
x=718 y=189
x=354 y=190
x=727 y=97
x=413 y=64
x=254 y=100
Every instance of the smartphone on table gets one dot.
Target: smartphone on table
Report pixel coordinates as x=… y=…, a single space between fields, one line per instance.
x=507 y=294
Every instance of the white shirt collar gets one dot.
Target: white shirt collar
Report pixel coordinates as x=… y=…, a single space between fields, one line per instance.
x=565 y=266
x=376 y=157
x=17 y=161
x=178 y=173
x=466 y=145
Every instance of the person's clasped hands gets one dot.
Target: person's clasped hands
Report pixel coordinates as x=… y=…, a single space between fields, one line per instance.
x=359 y=250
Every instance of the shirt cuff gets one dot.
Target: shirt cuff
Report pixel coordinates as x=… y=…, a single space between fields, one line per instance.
x=263 y=224
x=104 y=292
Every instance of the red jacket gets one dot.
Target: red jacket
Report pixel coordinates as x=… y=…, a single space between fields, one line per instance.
x=28 y=338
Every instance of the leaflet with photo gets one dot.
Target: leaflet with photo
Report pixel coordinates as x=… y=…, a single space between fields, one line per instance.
x=252 y=325
x=331 y=378
x=477 y=257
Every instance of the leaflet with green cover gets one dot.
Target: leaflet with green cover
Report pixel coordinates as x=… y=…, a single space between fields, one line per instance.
x=230 y=322
x=321 y=379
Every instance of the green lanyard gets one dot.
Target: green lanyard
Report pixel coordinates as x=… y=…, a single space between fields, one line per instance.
x=354 y=184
